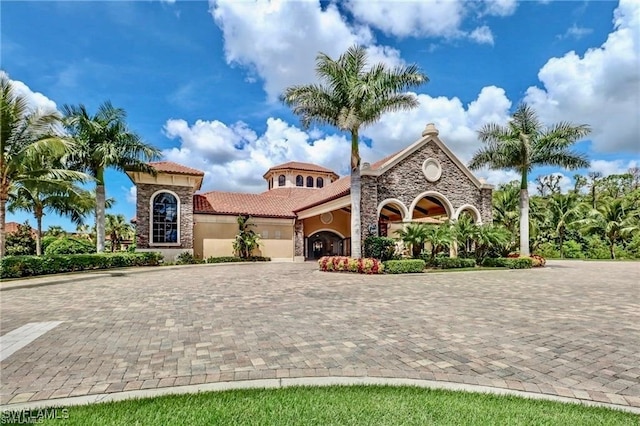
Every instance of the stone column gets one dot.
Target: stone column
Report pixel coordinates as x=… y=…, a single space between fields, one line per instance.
x=298 y=241
x=486 y=208
x=368 y=208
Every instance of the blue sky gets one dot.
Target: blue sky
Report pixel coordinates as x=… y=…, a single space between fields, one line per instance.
x=200 y=80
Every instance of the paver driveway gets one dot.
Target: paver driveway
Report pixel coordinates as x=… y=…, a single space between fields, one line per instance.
x=571 y=329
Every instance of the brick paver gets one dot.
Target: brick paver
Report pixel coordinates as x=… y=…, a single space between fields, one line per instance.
x=571 y=329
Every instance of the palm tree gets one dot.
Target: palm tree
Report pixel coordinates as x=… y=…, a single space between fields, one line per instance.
x=61 y=197
x=438 y=237
x=464 y=232
x=563 y=212
x=524 y=144
x=488 y=237
x=105 y=141
x=414 y=235
x=26 y=135
x=352 y=95
x=613 y=221
x=118 y=230
x=247 y=240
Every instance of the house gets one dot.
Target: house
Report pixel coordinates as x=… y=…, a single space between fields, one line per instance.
x=305 y=211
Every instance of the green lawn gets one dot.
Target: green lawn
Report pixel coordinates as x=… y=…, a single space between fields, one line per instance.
x=354 y=405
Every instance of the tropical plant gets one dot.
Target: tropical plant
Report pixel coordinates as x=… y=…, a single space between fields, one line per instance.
x=118 y=230
x=21 y=242
x=247 y=240
x=612 y=221
x=489 y=238
x=104 y=141
x=439 y=237
x=26 y=135
x=56 y=231
x=524 y=144
x=63 y=198
x=563 y=212
x=414 y=235
x=351 y=95
x=464 y=232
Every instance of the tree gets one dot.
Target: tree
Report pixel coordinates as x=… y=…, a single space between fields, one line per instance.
x=104 y=141
x=118 y=230
x=414 y=235
x=593 y=187
x=21 y=242
x=438 y=237
x=464 y=233
x=487 y=238
x=50 y=195
x=523 y=144
x=351 y=95
x=563 y=212
x=247 y=240
x=613 y=220
x=26 y=135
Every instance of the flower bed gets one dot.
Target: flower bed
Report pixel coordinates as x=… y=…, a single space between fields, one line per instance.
x=347 y=264
x=537 y=260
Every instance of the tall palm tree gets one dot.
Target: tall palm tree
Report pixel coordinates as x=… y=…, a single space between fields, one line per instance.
x=118 y=229
x=353 y=94
x=26 y=134
x=563 y=212
x=105 y=141
x=613 y=220
x=524 y=143
x=61 y=197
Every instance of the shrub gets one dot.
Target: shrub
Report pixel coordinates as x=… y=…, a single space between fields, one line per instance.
x=25 y=266
x=186 y=258
x=405 y=266
x=572 y=250
x=538 y=261
x=69 y=246
x=347 y=264
x=21 y=242
x=548 y=250
x=382 y=248
x=521 y=263
x=509 y=262
x=496 y=262
x=454 y=262
x=227 y=259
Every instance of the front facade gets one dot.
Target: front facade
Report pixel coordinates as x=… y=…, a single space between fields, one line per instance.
x=306 y=211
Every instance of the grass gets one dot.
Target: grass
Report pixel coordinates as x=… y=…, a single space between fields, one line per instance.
x=353 y=405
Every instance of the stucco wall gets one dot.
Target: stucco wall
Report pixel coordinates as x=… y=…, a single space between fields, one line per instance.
x=341 y=224
x=143 y=204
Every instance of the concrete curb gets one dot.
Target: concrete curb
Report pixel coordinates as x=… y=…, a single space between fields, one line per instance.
x=302 y=381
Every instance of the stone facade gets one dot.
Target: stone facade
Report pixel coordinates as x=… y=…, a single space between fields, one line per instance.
x=298 y=237
x=368 y=207
x=143 y=204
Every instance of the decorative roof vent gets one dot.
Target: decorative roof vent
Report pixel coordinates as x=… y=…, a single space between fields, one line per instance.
x=366 y=166
x=430 y=130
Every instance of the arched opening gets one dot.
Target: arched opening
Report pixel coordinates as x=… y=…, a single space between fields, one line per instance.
x=470 y=211
x=431 y=207
x=309 y=182
x=325 y=243
x=164 y=218
x=299 y=180
x=281 y=180
x=391 y=213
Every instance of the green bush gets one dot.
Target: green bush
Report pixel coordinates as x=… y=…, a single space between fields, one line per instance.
x=548 y=250
x=572 y=250
x=382 y=248
x=508 y=262
x=21 y=242
x=69 y=246
x=25 y=266
x=228 y=259
x=405 y=266
x=454 y=262
x=597 y=249
x=186 y=258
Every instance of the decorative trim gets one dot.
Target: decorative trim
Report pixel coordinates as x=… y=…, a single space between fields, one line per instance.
x=403 y=208
x=473 y=209
x=333 y=231
x=444 y=200
x=432 y=174
x=326 y=218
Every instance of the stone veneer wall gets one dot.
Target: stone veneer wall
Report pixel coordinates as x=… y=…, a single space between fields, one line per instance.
x=368 y=208
x=405 y=181
x=298 y=238
x=144 y=193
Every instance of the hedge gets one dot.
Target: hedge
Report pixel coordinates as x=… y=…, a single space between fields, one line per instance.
x=454 y=262
x=382 y=248
x=347 y=264
x=406 y=266
x=25 y=266
x=69 y=246
x=228 y=259
x=507 y=262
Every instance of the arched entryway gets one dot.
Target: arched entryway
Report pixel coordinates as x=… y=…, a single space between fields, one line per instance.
x=431 y=207
x=391 y=214
x=325 y=243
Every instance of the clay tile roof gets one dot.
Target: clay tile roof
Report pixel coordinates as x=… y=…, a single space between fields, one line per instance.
x=297 y=165
x=379 y=163
x=11 y=227
x=330 y=192
x=234 y=203
x=171 y=167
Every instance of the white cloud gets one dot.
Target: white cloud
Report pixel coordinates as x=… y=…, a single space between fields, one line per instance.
x=500 y=7
x=601 y=88
x=576 y=32
x=482 y=35
x=36 y=100
x=613 y=167
x=131 y=194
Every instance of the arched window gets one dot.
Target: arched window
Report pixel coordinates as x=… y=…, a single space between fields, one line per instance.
x=319 y=182
x=299 y=181
x=164 y=226
x=281 y=180
x=309 y=182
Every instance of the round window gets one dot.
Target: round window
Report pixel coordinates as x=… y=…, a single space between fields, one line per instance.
x=432 y=169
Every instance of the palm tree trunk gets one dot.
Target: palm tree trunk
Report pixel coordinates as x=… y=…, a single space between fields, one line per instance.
x=524 y=221
x=3 y=206
x=356 y=232
x=561 y=238
x=38 y=233
x=100 y=200
x=612 y=249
